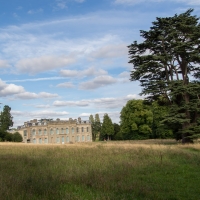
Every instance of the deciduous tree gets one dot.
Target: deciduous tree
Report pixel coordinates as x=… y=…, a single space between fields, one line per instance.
x=136 y=120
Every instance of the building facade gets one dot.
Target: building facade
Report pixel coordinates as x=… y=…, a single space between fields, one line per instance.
x=48 y=131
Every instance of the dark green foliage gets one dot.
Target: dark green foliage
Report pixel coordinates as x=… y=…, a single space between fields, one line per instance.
x=17 y=137
x=136 y=120
x=117 y=134
x=5 y=123
x=12 y=137
x=164 y=64
x=107 y=129
x=160 y=130
x=8 y=137
x=6 y=119
x=96 y=126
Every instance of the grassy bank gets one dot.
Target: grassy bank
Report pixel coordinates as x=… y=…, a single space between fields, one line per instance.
x=121 y=170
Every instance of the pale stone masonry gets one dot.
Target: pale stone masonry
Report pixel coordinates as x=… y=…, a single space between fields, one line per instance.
x=48 y=131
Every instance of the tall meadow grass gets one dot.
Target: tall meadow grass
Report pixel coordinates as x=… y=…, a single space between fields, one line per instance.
x=118 y=170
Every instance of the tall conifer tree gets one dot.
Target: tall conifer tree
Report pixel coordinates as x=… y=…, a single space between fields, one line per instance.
x=107 y=128
x=167 y=65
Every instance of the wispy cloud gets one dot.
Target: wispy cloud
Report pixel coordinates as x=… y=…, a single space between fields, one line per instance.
x=110 y=51
x=40 y=10
x=60 y=4
x=65 y=85
x=97 y=82
x=92 y=71
x=40 y=114
x=133 y=2
x=15 y=15
x=43 y=63
x=32 y=95
x=36 y=79
x=4 y=64
x=80 y=1
x=109 y=103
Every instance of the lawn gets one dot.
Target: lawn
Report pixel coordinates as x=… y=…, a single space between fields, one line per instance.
x=102 y=170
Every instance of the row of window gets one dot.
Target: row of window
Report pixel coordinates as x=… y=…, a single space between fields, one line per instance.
x=57 y=131
x=63 y=139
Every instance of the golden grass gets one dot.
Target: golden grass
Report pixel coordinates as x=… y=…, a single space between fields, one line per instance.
x=153 y=144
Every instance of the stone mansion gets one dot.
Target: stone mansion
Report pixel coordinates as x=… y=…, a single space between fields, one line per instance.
x=48 y=131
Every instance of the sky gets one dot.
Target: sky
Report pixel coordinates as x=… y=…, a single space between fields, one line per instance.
x=69 y=58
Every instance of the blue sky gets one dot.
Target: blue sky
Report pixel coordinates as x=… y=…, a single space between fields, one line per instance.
x=69 y=58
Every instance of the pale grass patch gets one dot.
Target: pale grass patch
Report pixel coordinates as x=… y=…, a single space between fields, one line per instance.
x=145 y=144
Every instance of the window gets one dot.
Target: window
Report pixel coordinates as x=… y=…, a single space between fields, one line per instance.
x=34 y=141
x=58 y=140
x=67 y=130
x=77 y=138
x=45 y=131
x=88 y=138
x=87 y=129
x=33 y=132
x=40 y=140
x=67 y=139
x=25 y=133
x=83 y=138
x=82 y=129
x=45 y=140
x=62 y=131
x=40 y=132
x=57 y=131
x=77 y=130
x=51 y=131
x=72 y=130
x=63 y=139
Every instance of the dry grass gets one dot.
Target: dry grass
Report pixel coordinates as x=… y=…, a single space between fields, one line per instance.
x=153 y=169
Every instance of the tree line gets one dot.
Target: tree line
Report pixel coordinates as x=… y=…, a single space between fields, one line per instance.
x=6 y=121
x=139 y=120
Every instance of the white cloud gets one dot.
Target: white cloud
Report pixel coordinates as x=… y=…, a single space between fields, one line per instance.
x=110 y=103
x=31 y=95
x=39 y=114
x=124 y=77
x=110 y=51
x=19 y=92
x=84 y=114
x=36 y=79
x=35 y=11
x=43 y=63
x=92 y=71
x=97 y=82
x=4 y=64
x=69 y=73
x=113 y=115
x=9 y=89
x=124 y=74
x=65 y=85
x=42 y=106
x=82 y=103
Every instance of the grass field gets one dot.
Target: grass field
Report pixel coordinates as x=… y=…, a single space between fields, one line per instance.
x=139 y=170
